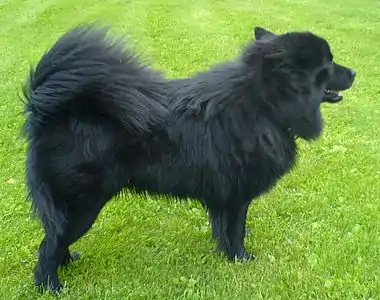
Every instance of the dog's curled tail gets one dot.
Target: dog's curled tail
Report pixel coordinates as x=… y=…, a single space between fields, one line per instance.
x=86 y=70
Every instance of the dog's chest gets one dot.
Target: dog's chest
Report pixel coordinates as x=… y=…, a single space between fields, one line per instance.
x=262 y=169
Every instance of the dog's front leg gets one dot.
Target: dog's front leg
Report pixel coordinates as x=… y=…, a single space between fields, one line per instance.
x=228 y=228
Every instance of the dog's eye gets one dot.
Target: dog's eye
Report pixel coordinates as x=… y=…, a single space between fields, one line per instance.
x=322 y=75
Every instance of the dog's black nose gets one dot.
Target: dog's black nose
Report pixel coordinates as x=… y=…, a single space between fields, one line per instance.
x=352 y=73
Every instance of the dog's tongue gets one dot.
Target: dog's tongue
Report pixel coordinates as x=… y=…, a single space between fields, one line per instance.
x=332 y=96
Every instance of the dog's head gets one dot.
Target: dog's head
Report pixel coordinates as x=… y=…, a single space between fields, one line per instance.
x=299 y=73
x=334 y=77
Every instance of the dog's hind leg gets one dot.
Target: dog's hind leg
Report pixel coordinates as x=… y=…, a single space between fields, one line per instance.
x=51 y=254
x=79 y=222
x=54 y=250
x=228 y=228
x=68 y=258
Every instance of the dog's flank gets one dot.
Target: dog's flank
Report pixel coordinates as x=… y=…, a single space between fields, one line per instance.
x=100 y=121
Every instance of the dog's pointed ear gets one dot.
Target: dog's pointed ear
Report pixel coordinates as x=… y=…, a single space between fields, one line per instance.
x=261 y=33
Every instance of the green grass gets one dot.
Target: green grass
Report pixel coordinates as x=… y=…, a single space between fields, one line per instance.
x=316 y=234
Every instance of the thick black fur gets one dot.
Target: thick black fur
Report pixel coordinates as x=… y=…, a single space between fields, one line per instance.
x=99 y=121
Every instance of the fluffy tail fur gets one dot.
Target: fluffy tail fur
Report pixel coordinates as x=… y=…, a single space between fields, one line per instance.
x=86 y=71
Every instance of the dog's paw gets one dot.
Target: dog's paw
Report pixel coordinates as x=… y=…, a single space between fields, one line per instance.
x=54 y=287
x=245 y=256
x=75 y=256
x=241 y=256
x=70 y=257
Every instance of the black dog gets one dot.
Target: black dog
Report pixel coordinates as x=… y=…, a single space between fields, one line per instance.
x=100 y=121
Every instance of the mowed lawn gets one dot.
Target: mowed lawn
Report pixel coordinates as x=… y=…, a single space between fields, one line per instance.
x=316 y=235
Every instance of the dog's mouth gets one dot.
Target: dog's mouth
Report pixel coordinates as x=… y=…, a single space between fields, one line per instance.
x=332 y=96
